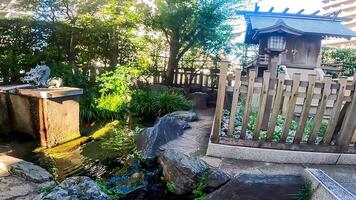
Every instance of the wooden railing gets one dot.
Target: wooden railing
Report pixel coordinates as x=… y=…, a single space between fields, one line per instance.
x=331 y=103
x=203 y=78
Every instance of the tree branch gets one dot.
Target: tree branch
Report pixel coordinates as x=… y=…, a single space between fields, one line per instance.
x=166 y=34
x=186 y=48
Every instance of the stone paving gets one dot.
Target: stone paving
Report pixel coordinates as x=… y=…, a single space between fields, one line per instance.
x=20 y=179
x=194 y=142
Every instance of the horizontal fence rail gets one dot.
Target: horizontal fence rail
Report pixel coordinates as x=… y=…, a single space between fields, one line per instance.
x=203 y=78
x=276 y=113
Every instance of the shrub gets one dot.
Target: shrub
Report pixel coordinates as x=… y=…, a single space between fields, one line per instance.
x=152 y=104
x=122 y=141
x=120 y=81
x=168 y=101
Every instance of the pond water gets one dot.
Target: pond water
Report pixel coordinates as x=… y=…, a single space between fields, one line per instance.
x=91 y=159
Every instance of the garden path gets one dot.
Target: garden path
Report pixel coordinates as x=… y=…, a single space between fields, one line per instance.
x=194 y=142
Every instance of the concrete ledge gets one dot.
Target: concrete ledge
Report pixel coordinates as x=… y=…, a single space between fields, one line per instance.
x=48 y=93
x=323 y=187
x=278 y=156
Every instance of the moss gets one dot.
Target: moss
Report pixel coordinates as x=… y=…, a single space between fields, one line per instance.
x=104 y=130
x=69 y=146
x=64 y=147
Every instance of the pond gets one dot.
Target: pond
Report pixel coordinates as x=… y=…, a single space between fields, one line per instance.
x=124 y=177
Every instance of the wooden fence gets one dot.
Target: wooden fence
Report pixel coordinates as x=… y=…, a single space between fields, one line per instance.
x=186 y=77
x=328 y=101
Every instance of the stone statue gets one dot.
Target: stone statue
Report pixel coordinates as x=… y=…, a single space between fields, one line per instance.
x=39 y=76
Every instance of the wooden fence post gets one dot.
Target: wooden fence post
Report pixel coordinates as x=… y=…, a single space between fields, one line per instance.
x=291 y=107
x=321 y=109
x=235 y=99
x=306 y=108
x=349 y=125
x=262 y=104
x=220 y=101
x=251 y=84
x=336 y=112
x=276 y=107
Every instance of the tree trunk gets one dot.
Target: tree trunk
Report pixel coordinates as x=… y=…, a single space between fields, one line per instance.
x=114 y=51
x=172 y=62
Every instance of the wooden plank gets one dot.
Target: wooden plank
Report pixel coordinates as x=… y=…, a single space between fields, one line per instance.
x=305 y=111
x=251 y=75
x=335 y=113
x=201 y=76
x=206 y=81
x=349 y=125
x=286 y=99
x=280 y=146
x=291 y=107
x=235 y=98
x=353 y=140
x=276 y=107
x=321 y=109
x=262 y=104
x=220 y=102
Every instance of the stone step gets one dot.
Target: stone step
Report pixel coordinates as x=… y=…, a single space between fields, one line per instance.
x=24 y=169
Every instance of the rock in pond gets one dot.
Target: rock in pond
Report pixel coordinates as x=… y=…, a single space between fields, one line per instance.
x=216 y=178
x=185 y=172
x=30 y=172
x=77 y=187
x=187 y=116
x=151 y=139
x=261 y=187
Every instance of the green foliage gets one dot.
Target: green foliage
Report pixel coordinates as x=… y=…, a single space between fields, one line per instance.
x=199 y=192
x=252 y=121
x=43 y=190
x=193 y=23
x=122 y=141
x=190 y=24
x=105 y=187
x=170 y=187
x=115 y=88
x=341 y=55
x=120 y=81
x=310 y=124
x=149 y=105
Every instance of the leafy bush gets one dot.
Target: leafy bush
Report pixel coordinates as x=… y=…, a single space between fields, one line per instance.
x=152 y=104
x=119 y=81
x=199 y=193
x=115 y=88
x=122 y=141
x=346 y=56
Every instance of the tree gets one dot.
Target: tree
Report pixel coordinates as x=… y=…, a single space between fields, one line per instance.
x=89 y=30
x=187 y=24
x=345 y=56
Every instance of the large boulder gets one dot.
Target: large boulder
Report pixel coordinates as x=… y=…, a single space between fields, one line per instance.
x=186 y=172
x=78 y=187
x=261 y=187
x=216 y=178
x=187 y=116
x=151 y=139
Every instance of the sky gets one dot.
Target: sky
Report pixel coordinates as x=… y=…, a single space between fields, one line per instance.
x=293 y=5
